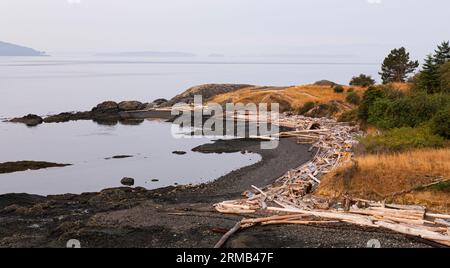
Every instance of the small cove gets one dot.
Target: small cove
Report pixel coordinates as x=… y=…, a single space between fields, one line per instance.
x=90 y=147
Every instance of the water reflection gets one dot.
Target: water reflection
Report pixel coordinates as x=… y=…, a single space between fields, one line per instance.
x=86 y=144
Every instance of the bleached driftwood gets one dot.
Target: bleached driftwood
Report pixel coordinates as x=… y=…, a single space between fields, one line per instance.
x=333 y=144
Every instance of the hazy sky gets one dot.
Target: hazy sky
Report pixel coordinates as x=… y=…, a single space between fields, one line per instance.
x=363 y=28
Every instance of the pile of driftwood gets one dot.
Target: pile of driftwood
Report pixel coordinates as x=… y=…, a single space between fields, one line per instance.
x=289 y=199
x=332 y=143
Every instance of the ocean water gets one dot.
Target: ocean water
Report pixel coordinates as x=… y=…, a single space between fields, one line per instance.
x=87 y=145
x=46 y=85
x=49 y=85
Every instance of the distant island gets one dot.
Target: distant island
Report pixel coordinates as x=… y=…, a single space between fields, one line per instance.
x=8 y=49
x=153 y=54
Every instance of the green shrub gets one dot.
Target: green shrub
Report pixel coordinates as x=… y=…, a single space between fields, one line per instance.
x=377 y=114
x=329 y=108
x=409 y=111
x=401 y=139
x=339 y=89
x=353 y=98
x=350 y=90
x=362 y=80
x=370 y=96
x=306 y=108
x=349 y=116
x=442 y=187
x=440 y=124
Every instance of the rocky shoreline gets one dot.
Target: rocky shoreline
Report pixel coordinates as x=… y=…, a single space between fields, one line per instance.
x=181 y=216
x=174 y=217
x=105 y=113
x=36 y=221
x=10 y=167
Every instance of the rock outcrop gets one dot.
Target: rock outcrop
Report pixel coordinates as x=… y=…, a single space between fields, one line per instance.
x=127 y=181
x=10 y=167
x=131 y=106
x=207 y=91
x=30 y=120
x=325 y=83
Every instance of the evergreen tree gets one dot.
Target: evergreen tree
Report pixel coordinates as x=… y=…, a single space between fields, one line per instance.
x=397 y=66
x=442 y=55
x=429 y=78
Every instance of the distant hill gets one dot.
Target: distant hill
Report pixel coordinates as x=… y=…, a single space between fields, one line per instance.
x=8 y=49
x=152 y=54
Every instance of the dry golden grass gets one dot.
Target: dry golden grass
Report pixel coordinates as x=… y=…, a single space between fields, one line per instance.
x=434 y=200
x=394 y=177
x=405 y=87
x=295 y=96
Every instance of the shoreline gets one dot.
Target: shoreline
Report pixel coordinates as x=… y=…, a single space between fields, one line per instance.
x=20 y=211
x=181 y=216
x=308 y=148
x=175 y=217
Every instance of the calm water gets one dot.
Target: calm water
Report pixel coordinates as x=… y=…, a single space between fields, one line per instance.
x=86 y=145
x=49 y=85
x=45 y=85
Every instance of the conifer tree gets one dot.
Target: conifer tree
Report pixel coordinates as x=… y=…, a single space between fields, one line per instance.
x=442 y=55
x=397 y=66
x=429 y=77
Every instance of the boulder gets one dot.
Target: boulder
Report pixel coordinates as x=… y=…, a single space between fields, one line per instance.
x=325 y=83
x=30 y=120
x=179 y=152
x=127 y=181
x=131 y=106
x=159 y=102
x=106 y=107
x=149 y=105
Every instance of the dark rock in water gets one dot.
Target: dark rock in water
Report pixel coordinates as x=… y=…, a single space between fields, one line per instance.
x=131 y=122
x=131 y=106
x=127 y=181
x=226 y=146
x=155 y=180
x=106 y=107
x=66 y=117
x=106 y=121
x=30 y=120
x=119 y=157
x=10 y=167
x=325 y=83
x=179 y=152
x=108 y=113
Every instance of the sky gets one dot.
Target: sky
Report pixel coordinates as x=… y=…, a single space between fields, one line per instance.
x=362 y=29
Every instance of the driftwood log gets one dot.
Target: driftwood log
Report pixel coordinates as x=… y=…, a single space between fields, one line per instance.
x=289 y=199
